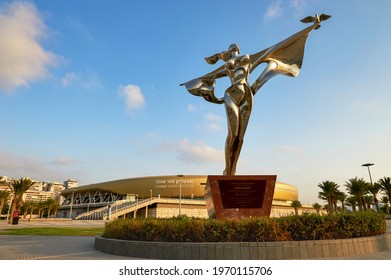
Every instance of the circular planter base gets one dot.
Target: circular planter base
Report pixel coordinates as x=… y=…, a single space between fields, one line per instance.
x=287 y=250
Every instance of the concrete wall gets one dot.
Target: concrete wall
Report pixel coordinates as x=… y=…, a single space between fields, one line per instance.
x=300 y=250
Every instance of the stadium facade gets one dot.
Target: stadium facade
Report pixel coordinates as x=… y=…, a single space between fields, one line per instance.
x=157 y=196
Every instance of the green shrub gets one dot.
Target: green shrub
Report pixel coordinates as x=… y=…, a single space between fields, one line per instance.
x=261 y=229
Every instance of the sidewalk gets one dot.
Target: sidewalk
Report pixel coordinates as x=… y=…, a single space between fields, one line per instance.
x=53 y=223
x=25 y=247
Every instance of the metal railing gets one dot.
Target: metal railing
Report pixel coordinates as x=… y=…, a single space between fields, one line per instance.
x=102 y=212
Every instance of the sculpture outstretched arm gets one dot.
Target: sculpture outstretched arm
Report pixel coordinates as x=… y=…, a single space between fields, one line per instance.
x=204 y=86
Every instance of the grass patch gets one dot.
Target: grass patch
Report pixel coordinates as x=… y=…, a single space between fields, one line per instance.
x=53 y=231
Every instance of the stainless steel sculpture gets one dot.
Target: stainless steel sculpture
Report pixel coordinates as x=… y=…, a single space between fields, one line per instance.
x=285 y=58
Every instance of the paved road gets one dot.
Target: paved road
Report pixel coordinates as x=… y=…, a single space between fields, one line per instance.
x=25 y=247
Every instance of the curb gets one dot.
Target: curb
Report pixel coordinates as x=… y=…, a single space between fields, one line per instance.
x=286 y=250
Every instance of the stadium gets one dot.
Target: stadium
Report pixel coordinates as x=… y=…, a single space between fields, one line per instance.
x=154 y=196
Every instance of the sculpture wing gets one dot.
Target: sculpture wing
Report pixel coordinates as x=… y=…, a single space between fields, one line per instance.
x=323 y=17
x=308 y=19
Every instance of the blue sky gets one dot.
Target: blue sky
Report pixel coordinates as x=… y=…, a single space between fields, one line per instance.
x=89 y=90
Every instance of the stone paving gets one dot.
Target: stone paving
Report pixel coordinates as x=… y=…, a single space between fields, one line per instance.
x=25 y=247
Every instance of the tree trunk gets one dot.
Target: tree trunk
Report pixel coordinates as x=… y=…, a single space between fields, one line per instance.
x=330 y=206
x=335 y=205
x=31 y=212
x=25 y=213
x=1 y=206
x=376 y=203
x=12 y=209
x=359 y=202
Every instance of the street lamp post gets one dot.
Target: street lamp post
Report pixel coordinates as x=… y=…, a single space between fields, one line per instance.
x=369 y=171
x=180 y=195
x=180 y=199
x=370 y=178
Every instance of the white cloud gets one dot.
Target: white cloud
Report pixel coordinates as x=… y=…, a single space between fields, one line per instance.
x=13 y=165
x=299 y=6
x=69 y=79
x=198 y=151
x=213 y=118
x=133 y=97
x=274 y=10
x=191 y=108
x=88 y=81
x=91 y=82
x=152 y=134
x=64 y=161
x=287 y=149
x=79 y=27
x=22 y=57
x=214 y=127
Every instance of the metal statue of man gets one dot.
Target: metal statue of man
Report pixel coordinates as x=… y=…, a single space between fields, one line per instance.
x=285 y=58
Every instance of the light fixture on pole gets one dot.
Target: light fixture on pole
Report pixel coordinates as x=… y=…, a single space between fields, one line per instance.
x=180 y=196
x=369 y=171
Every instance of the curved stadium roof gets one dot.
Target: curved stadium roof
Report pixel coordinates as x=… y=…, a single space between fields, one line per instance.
x=170 y=186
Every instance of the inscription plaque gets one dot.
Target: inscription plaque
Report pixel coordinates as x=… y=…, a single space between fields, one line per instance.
x=242 y=193
x=229 y=197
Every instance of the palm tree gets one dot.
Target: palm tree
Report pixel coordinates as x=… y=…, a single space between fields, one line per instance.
x=341 y=196
x=55 y=207
x=41 y=206
x=28 y=206
x=33 y=206
x=317 y=207
x=369 y=201
x=329 y=193
x=18 y=188
x=374 y=189
x=386 y=201
x=4 y=195
x=358 y=188
x=352 y=202
x=52 y=204
x=296 y=205
x=385 y=186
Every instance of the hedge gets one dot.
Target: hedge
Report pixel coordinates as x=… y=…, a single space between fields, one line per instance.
x=261 y=229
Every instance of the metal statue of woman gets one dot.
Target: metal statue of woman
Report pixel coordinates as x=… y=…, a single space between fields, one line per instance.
x=285 y=58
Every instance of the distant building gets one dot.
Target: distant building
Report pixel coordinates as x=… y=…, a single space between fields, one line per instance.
x=71 y=184
x=40 y=191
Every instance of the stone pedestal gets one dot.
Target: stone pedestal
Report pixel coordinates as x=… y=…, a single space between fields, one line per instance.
x=229 y=197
